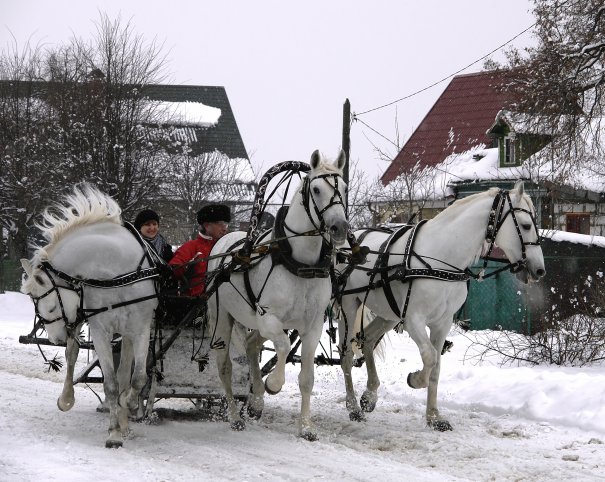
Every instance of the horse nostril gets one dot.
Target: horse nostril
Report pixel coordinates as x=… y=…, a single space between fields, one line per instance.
x=540 y=272
x=333 y=229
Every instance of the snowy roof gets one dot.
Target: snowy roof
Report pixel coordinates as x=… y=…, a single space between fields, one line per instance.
x=585 y=239
x=522 y=123
x=458 y=120
x=193 y=114
x=481 y=164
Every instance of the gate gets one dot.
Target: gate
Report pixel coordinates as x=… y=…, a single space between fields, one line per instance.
x=499 y=302
x=10 y=275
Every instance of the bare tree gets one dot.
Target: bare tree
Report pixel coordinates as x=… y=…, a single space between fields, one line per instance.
x=31 y=162
x=211 y=177
x=561 y=81
x=407 y=195
x=109 y=129
x=359 y=193
x=78 y=112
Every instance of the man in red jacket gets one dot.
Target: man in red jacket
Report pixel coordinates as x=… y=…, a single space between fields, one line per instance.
x=214 y=223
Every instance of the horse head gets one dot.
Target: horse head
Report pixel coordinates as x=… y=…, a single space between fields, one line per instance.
x=326 y=191
x=517 y=234
x=57 y=306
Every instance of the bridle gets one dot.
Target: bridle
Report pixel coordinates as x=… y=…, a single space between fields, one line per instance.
x=308 y=202
x=55 y=288
x=77 y=285
x=496 y=219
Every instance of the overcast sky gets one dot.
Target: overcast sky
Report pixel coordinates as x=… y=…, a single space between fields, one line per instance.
x=289 y=66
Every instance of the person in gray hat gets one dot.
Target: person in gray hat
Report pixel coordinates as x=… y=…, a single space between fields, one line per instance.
x=214 y=223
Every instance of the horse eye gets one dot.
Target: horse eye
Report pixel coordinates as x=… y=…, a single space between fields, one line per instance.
x=315 y=190
x=527 y=227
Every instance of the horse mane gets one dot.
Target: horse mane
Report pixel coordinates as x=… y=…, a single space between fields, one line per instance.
x=491 y=192
x=327 y=168
x=84 y=206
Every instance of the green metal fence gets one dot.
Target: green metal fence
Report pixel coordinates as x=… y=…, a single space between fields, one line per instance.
x=499 y=302
x=572 y=271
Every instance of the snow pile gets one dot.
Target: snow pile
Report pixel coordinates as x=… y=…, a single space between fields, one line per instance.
x=193 y=114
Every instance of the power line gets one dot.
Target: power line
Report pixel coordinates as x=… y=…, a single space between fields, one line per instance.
x=445 y=78
x=355 y=118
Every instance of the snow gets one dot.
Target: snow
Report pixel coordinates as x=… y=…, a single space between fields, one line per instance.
x=187 y=113
x=510 y=423
x=481 y=164
x=576 y=238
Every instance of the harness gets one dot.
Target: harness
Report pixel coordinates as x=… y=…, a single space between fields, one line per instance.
x=404 y=273
x=279 y=247
x=77 y=285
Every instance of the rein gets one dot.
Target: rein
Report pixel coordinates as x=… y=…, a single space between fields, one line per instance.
x=406 y=274
x=77 y=285
x=278 y=247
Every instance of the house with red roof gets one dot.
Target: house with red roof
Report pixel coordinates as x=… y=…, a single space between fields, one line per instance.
x=469 y=141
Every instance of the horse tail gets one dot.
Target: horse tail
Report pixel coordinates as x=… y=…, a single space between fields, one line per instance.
x=366 y=316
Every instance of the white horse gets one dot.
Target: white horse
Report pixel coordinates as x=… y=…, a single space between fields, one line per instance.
x=285 y=301
x=444 y=248
x=77 y=277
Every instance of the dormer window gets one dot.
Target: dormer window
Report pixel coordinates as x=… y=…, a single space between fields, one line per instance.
x=509 y=151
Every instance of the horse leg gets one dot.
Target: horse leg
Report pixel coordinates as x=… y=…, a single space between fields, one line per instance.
x=345 y=325
x=223 y=332
x=416 y=328
x=433 y=418
x=256 y=401
x=102 y=343
x=271 y=328
x=373 y=333
x=306 y=378
x=133 y=378
x=66 y=400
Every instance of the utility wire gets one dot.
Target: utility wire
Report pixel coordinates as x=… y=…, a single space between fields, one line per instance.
x=445 y=78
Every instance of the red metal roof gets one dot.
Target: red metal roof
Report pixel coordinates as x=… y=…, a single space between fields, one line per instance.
x=456 y=122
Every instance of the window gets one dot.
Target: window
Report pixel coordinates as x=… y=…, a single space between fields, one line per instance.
x=577 y=223
x=509 y=151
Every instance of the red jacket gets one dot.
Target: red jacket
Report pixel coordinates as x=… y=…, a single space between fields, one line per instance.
x=189 y=251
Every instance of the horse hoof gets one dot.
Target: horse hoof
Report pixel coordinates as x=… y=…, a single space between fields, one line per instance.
x=253 y=413
x=309 y=435
x=64 y=407
x=440 y=425
x=270 y=391
x=102 y=408
x=357 y=416
x=367 y=405
x=238 y=425
x=113 y=444
x=409 y=380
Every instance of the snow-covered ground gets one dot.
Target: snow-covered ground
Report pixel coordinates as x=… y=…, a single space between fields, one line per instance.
x=510 y=423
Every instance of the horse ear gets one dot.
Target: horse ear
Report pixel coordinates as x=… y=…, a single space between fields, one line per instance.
x=341 y=160
x=315 y=159
x=27 y=266
x=520 y=187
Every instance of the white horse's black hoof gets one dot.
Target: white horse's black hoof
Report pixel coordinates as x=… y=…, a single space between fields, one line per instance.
x=113 y=444
x=357 y=416
x=409 y=380
x=367 y=405
x=310 y=436
x=253 y=413
x=238 y=425
x=440 y=425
